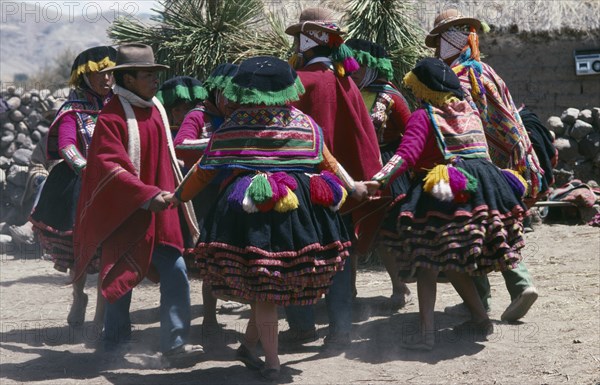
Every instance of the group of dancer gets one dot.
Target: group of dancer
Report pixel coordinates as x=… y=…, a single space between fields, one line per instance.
x=292 y=170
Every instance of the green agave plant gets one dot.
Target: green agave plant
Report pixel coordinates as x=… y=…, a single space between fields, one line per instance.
x=193 y=37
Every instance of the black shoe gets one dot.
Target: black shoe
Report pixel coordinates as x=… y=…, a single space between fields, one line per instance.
x=298 y=336
x=250 y=360
x=337 y=342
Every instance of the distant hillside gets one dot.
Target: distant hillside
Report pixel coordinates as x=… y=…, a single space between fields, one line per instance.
x=33 y=35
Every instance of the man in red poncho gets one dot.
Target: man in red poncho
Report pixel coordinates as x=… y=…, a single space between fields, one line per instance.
x=334 y=101
x=122 y=214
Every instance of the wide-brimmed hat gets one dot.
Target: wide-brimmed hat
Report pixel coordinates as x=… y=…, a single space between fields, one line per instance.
x=136 y=56
x=433 y=81
x=447 y=19
x=181 y=89
x=264 y=80
x=220 y=77
x=93 y=59
x=320 y=19
x=371 y=55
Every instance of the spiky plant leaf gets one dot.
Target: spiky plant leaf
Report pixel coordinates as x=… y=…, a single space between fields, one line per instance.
x=270 y=40
x=193 y=37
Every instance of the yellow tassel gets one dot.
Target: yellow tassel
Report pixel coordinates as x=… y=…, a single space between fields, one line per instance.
x=339 y=69
x=474 y=84
x=519 y=177
x=433 y=177
x=90 y=66
x=287 y=203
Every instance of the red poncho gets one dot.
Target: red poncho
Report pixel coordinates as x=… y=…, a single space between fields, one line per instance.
x=337 y=106
x=110 y=219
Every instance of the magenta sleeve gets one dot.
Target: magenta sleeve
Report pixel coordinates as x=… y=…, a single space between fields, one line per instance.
x=411 y=149
x=418 y=129
x=67 y=131
x=191 y=127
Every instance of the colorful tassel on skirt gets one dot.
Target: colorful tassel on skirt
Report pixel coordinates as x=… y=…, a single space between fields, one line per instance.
x=264 y=192
x=449 y=184
x=516 y=182
x=326 y=190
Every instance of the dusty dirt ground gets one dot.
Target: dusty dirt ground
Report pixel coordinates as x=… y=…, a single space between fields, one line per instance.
x=558 y=342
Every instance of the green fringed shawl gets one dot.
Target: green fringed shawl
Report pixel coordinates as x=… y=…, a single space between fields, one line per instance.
x=383 y=65
x=170 y=96
x=252 y=96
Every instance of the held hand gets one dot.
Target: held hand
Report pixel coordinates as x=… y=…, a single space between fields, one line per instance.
x=158 y=203
x=172 y=200
x=360 y=191
x=372 y=187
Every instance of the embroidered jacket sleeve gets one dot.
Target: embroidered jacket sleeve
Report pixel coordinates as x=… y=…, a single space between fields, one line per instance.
x=194 y=182
x=67 y=143
x=330 y=164
x=410 y=151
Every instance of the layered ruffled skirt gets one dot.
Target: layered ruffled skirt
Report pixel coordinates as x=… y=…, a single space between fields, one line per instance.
x=475 y=231
x=282 y=246
x=53 y=217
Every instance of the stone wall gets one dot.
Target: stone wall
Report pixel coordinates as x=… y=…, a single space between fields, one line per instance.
x=540 y=70
x=25 y=116
x=577 y=134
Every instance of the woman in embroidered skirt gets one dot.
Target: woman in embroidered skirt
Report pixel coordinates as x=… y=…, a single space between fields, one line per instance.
x=68 y=140
x=190 y=143
x=274 y=236
x=389 y=112
x=461 y=215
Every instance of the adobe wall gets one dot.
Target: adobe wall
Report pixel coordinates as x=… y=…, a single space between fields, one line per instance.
x=540 y=71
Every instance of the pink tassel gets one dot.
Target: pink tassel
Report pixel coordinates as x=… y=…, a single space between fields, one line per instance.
x=458 y=182
x=275 y=188
x=284 y=179
x=351 y=65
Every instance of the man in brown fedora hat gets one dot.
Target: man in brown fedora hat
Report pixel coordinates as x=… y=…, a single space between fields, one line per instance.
x=456 y=41
x=123 y=215
x=334 y=101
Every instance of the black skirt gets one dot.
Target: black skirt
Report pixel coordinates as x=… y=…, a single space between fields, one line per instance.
x=478 y=236
x=54 y=215
x=280 y=257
